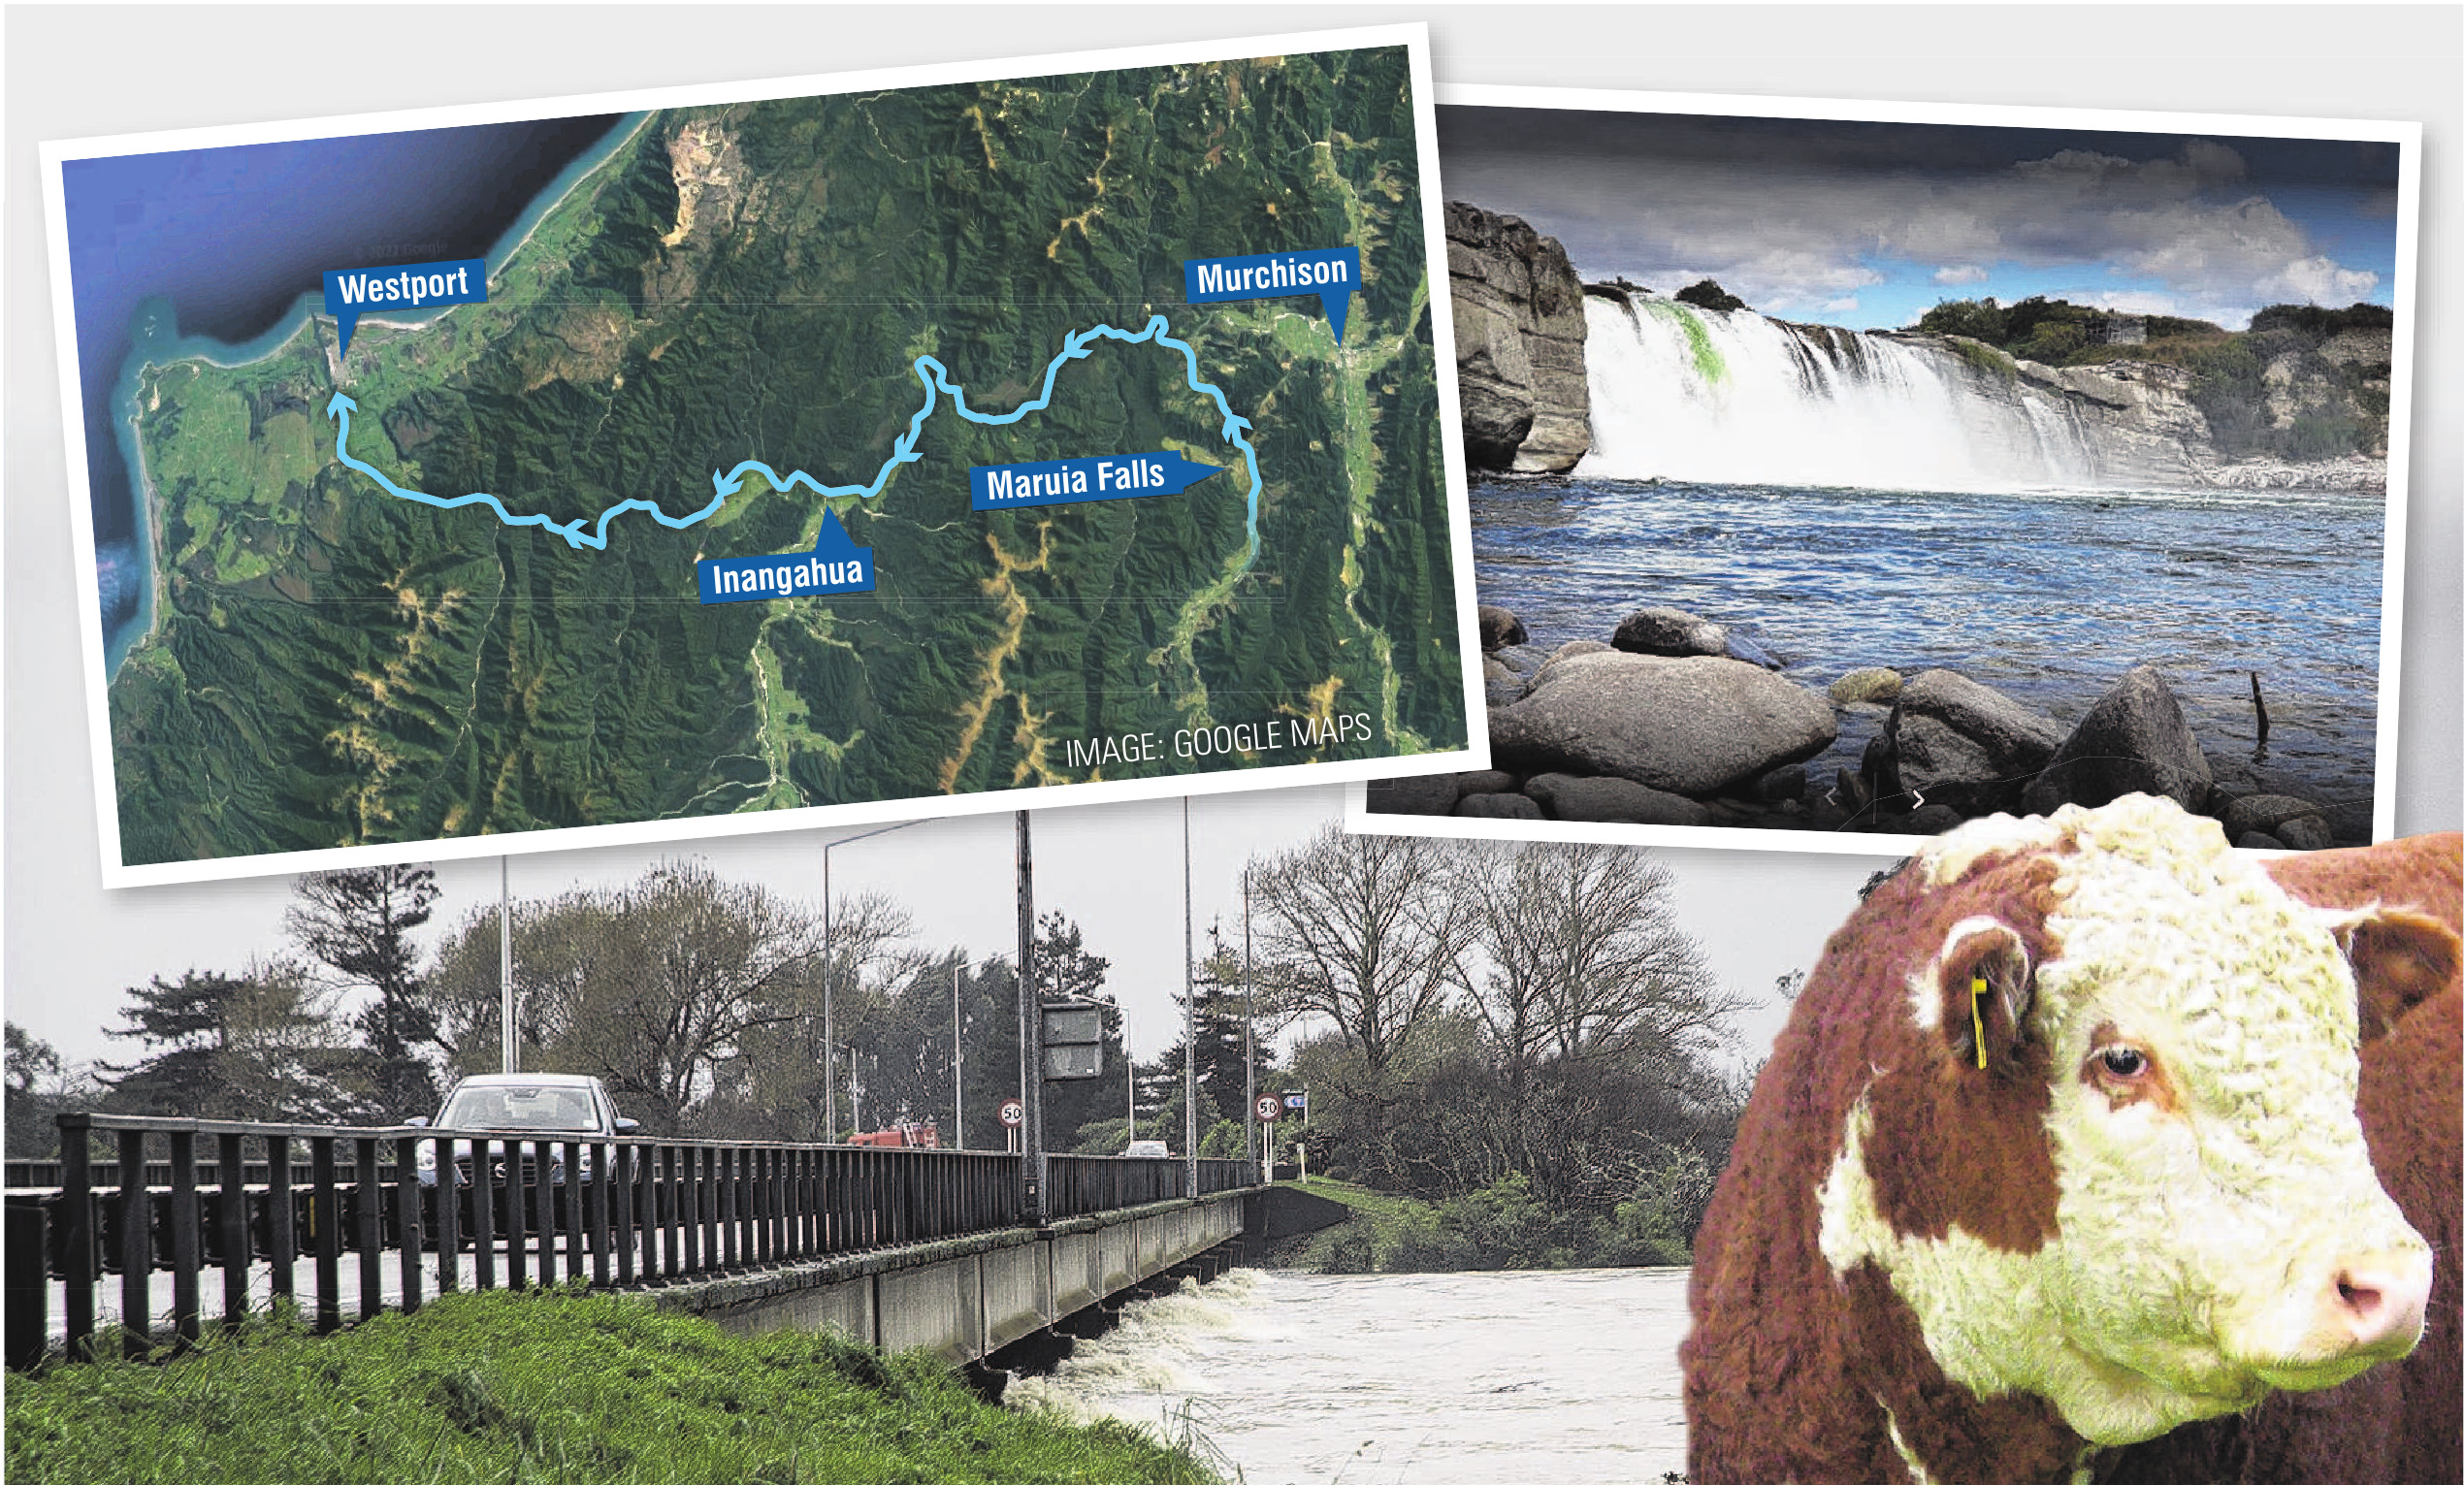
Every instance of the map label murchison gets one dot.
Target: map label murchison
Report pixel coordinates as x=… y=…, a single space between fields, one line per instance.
x=1332 y=274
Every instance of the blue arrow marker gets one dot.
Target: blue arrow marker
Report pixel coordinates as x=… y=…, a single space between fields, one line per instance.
x=1067 y=481
x=1332 y=274
x=350 y=293
x=835 y=565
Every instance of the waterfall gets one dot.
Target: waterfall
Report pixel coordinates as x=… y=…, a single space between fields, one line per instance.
x=1734 y=397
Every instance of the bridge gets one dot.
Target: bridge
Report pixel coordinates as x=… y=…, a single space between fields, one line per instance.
x=957 y=1253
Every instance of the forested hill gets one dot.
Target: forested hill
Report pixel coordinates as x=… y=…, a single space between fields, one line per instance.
x=2302 y=383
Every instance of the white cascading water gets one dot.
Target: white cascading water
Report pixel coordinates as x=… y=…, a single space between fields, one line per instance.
x=1734 y=397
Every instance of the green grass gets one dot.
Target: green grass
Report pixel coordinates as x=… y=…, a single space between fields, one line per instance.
x=546 y=1387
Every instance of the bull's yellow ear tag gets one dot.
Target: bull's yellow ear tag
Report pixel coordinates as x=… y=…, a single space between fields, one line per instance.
x=1976 y=991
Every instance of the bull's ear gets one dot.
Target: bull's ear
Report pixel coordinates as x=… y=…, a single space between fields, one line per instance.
x=2399 y=957
x=1976 y=991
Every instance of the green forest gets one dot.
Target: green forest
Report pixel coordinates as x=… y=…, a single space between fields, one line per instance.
x=334 y=666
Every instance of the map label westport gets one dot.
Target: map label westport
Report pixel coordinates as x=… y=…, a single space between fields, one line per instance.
x=350 y=293
x=1275 y=734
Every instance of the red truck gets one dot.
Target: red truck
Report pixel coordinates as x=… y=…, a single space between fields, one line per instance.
x=906 y=1134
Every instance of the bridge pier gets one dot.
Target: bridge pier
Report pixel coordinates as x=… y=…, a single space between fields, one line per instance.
x=963 y=1298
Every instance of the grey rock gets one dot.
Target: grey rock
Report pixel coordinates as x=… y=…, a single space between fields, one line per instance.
x=1499 y=627
x=1494 y=670
x=1688 y=727
x=1497 y=807
x=1931 y=820
x=1524 y=659
x=1787 y=782
x=1952 y=741
x=1618 y=801
x=1487 y=781
x=1503 y=694
x=1518 y=344
x=1671 y=631
x=1742 y=648
x=2133 y=741
x=1434 y=795
x=2307 y=832
x=1872 y=683
x=1567 y=651
x=2263 y=813
x=2259 y=840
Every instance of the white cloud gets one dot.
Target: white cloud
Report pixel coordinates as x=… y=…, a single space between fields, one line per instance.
x=1839 y=306
x=2320 y=280
x=1959 y=272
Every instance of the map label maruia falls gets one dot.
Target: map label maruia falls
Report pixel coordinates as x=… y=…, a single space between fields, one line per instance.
x=678 y=518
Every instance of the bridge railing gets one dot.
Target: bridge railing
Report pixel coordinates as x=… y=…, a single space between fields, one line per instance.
x=410 y=1212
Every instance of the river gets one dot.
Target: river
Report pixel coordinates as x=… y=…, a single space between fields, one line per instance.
x=1278 y=1378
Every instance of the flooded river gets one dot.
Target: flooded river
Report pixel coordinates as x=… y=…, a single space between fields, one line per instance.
x=1565 y=1378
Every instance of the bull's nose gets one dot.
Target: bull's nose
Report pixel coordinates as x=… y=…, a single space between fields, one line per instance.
x=2380 y=1301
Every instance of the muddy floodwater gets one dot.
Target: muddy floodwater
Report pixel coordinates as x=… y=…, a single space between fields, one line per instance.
x=1566 y=1377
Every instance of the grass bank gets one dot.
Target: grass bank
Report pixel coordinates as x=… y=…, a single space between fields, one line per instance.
x=526 y=1389
x=1500 y=1226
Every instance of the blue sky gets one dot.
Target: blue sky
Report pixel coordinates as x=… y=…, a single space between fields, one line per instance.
x=1869 y=224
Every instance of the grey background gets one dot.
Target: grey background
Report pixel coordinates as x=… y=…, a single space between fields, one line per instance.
x=70 y=946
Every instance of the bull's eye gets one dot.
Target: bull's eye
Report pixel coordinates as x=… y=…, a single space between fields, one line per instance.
x=2126 y=1062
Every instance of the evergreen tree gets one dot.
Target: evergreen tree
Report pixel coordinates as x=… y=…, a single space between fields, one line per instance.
x=358 y=924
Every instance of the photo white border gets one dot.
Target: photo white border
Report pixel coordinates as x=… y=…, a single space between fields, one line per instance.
x=1412 y=36
x=1357 y=817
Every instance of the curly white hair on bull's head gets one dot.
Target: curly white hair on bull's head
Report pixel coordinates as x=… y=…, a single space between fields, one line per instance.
x=2057 y=1153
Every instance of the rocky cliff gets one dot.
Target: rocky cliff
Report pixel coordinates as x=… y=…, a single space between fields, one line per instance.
x=1518 y=344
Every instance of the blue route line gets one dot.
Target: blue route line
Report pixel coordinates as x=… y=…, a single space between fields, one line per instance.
x=726 y=482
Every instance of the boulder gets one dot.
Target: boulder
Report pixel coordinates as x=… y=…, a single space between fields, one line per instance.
x=1669 y=631
x=1742 y=648
x=2133 y=741
x=1616 y=801
x=1690 y=726
x=2263 y=813
x=1433 y=794
x=1505 y=692
x=1499 y=627
x=1871 y=684
x=1497 y=807
x=1487 y=781
x=1931 y=820
x=2307 y=832
x=1780 y=784
x=1524 y=659
x=2258 y=840
x=1567 y=651
x=1951 y=741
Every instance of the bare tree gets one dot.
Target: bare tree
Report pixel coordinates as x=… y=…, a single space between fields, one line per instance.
x=1586 y=959
x=1365 y=930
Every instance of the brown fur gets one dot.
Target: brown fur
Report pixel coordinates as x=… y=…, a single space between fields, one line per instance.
x=2422 y=876
x=2401 y=1424
x=1783 y=1364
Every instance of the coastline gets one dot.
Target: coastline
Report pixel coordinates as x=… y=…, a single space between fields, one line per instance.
x=151 y=350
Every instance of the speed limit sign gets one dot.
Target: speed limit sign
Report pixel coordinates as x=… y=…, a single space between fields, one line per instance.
x=1013 y=1112
x=1270 y=1106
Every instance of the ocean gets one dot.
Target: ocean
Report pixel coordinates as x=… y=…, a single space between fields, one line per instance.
x=220 y=252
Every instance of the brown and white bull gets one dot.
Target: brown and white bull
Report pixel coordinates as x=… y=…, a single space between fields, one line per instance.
x=2057 y=1153
x=2401 y=1424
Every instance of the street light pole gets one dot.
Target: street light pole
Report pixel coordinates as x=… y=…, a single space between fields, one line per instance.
x=1190 y=1010
x=505 y=961
x=1030 y=1032
x=829 y=975
x=1248 y=1030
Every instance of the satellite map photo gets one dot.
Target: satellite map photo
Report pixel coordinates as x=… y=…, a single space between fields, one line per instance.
x=892 y=445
